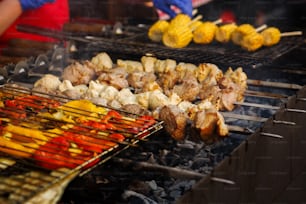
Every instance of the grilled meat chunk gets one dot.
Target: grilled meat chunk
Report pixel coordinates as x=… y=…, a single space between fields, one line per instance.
x=78 y=73
x=189 y=89
x=175 y=121
x=139 y=80
x=102 y=62
x=168 y=80
x=209 y=124
x=49 y=82
x=115 y=77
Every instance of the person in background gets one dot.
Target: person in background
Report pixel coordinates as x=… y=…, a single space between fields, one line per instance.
x=50 y=14
x=167 y=6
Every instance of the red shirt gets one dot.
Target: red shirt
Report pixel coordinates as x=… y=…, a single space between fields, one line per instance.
x=51 y=16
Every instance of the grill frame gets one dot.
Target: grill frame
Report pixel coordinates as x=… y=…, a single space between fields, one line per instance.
x=60 y=176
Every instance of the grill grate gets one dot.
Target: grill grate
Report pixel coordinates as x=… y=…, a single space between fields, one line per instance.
x=215 y=52
x=46 y=140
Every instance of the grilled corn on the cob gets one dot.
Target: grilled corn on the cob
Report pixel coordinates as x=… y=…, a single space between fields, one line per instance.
x=180 y=19
x=177 y=37
x=252 y=42
x=194 y=24
x=271 y=36
x=179 y=33
x=205 y=33
x=157 y=30
x=241 y=31
x=224 y=32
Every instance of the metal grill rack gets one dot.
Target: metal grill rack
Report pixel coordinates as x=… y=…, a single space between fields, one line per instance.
x=214 y=52
x=25 y=173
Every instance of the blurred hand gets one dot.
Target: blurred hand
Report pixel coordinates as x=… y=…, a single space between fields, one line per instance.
x=165 y=5
x=33 y=4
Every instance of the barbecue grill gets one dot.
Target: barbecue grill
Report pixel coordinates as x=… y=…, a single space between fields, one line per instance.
x=264 y=134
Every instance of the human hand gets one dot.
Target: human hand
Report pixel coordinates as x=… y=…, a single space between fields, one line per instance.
x=165 y=5
x=33 y=4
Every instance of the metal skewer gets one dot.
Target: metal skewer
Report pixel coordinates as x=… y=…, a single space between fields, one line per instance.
x=273 y=84
x=257 y=105
x=264 y=94
x=244 y=117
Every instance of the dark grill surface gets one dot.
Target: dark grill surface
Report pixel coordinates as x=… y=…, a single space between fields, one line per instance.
x=218 y=53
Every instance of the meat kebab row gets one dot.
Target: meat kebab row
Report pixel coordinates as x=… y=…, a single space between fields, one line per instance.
x=180 y=31
x=183 y=95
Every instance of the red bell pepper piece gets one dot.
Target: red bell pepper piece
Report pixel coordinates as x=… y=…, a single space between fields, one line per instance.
x=55 y=154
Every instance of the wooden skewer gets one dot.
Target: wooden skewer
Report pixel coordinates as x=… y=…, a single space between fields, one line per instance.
x=292 y=33
x=218 y=21
x=199 y=17
x=261 y=28
x=194 y=12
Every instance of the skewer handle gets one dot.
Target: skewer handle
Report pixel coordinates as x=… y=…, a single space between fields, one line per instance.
x=196 y=18
x=218 y=21
x=194 y=12
x=261 y=28
x=292 y=33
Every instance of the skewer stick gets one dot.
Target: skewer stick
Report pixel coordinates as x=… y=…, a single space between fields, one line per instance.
x=243 y=117
x=292 y=33
x=172 y=171
x=261 y=28
x=199 y=17
x=256 y=105
x=194 y=12
x=264 y=94
x=273 y=84
x=242 y=130
x=218 y=21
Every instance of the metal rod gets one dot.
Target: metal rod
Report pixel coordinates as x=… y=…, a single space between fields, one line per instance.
x=221 y=180
x=271 y=135
x=284 y=122
x=264 y=94
x=301 y=99
x=234 y=128
x=295 y=110
x=257 y=105
x=50 y=33
x=294 y=71
x=172 y=171
x=244 y=117
x=273 y=84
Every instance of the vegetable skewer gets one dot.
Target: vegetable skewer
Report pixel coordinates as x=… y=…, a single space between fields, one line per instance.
x=272 y=35
x=205 y=33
